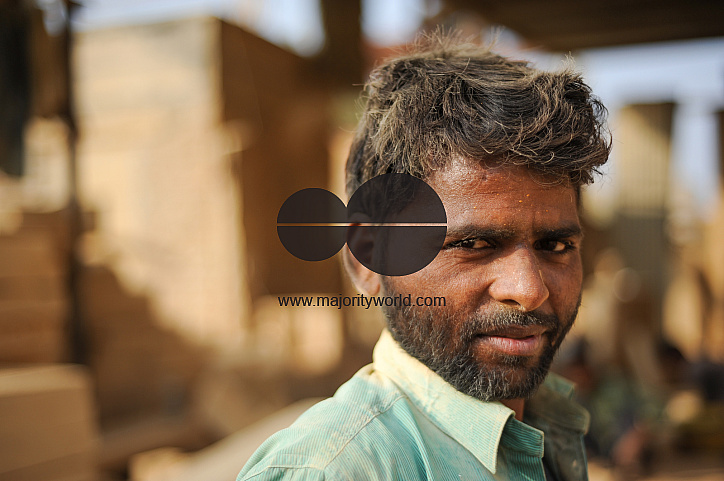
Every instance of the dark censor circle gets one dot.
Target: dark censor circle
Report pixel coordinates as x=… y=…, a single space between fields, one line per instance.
x=400 y=218
x=311 y=224
x=404 y=220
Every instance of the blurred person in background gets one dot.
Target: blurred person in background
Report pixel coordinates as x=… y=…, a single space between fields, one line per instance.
x=462 y=391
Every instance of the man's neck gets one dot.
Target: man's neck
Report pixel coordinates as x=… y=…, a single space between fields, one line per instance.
x=517 y=405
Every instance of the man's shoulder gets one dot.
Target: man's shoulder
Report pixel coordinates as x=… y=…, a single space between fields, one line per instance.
x=367 y=421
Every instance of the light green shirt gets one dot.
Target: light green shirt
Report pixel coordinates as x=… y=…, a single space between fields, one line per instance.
x=398 y=420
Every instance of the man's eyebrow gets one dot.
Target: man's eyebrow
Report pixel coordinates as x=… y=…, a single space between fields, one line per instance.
x=497 y=233
x=573 y=230
x=477 y=232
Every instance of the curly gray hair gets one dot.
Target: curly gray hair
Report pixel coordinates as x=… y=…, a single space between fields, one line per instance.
x=448 y=98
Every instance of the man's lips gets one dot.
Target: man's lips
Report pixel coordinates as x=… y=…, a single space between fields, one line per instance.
x=513 y=340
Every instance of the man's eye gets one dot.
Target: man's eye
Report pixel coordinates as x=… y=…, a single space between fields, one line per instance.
x=556 y=246
x=470 y=244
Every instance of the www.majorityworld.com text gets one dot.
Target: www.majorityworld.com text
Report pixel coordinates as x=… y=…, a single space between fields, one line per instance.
x=360 y=300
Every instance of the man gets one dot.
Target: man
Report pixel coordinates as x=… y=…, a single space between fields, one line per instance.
x=461 y=391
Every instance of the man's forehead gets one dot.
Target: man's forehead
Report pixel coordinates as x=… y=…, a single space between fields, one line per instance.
x=477 y=196
x=460 y=174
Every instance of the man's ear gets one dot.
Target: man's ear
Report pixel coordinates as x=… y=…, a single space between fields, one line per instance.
x=361 y=241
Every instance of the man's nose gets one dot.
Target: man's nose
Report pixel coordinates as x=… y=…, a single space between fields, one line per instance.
x=519 y=281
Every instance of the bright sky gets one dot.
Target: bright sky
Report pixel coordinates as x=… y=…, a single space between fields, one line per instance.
x=295 y=24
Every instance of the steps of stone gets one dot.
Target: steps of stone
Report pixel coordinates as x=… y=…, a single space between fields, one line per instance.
x=33 y=288
x=26 y=315
x=42 y=345
x=29 y=255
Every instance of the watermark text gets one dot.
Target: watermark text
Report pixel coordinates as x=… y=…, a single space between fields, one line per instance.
x=360 y=300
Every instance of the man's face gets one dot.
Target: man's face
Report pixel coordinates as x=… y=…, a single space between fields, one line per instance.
x=510 y=272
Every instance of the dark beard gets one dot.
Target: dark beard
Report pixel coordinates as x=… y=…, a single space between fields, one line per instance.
x=429 y=336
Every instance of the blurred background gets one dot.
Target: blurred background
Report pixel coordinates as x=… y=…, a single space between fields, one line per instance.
x=146 y=147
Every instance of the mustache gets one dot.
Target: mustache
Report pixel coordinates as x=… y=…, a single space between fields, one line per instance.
x=481 y=323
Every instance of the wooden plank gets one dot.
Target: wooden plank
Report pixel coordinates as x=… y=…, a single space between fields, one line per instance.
x=47 y=423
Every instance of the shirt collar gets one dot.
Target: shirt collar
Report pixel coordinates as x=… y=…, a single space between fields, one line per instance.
x=481 y=427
